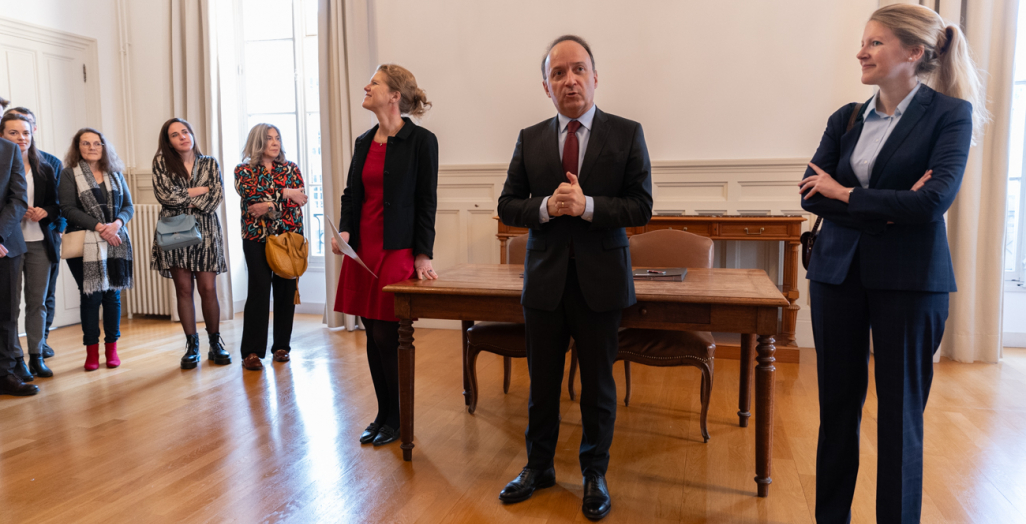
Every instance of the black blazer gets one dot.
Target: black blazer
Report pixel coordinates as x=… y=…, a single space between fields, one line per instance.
x=617 y=174
x=912 y=253
x=46 y=197
x=13 y=198
x=411 y=186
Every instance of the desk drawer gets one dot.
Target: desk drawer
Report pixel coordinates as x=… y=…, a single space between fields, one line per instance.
x=753 y=230
x=698 y=229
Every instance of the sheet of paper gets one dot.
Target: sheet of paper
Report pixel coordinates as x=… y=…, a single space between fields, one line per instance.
x=347 y=250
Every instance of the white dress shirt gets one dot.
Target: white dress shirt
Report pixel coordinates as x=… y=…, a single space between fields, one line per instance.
x=29 y=229
x=876 y=128
x=583 y=134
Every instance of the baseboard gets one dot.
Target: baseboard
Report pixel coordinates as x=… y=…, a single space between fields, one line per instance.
x=1014 y=340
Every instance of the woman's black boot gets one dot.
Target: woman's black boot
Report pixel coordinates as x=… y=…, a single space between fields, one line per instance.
x=191 y=358
x=217 y=352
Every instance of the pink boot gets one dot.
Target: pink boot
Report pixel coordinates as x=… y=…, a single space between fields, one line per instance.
x=92 y=362
x=110 y=350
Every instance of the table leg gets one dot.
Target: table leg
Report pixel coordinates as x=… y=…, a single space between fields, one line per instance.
x=406 y=362
x=466 y=372
x=744 y=400
x=789 y=317
x=764 y=383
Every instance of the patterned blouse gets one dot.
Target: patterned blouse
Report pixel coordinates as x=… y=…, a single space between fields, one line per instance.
x=173 y=194
x=254 y=185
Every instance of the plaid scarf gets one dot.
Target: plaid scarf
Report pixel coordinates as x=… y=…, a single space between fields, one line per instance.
x=104 y=267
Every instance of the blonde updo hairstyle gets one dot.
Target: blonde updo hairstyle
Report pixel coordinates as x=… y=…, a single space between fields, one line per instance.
x=413 y=100
x=946 y=64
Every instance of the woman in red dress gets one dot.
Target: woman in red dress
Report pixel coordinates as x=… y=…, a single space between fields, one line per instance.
x=388 y=217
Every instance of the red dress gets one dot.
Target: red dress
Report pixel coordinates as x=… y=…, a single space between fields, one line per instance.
x=359 y=293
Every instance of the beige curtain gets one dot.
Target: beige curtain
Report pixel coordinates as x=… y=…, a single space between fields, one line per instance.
x=336 y=141
x=194 y=90
x=976 y=220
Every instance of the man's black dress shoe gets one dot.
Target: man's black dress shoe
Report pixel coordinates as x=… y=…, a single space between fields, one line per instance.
x=386 y=435
x=12 y=385
x=47 y=351
x=38 y=367
x=22 y=371
x=522 y=487
x=368 y=434
x=596 y=497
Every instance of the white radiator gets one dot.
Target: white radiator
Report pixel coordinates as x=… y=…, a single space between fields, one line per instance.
x=151 y=293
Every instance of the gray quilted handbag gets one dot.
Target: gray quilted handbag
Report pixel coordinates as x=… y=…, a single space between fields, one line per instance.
x=178 y=232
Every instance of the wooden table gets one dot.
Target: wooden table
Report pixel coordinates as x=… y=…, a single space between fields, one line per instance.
x=742 y=301
x=771 y=228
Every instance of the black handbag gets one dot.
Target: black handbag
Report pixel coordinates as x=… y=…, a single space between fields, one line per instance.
x=808 y=238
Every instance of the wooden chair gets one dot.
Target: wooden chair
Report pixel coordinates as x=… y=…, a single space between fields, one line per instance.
x=502 y=338
x=656 y=347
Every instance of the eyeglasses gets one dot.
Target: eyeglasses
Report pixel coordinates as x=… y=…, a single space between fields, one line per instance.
x=91 y=145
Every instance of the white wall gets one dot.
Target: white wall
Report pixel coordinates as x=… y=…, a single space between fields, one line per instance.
x=1014 y=318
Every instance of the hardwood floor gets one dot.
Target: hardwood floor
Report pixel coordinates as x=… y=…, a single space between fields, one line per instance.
x=149 y=442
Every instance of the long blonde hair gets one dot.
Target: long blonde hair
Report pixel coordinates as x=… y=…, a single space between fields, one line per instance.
x=253 y=153
x=946 y=64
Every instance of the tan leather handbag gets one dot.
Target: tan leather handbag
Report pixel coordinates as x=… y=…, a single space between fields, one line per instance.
x=287 y=255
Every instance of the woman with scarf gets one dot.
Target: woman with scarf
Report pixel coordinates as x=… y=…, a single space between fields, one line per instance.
x=96 y=200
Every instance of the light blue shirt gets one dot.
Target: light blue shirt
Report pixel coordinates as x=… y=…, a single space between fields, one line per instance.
x=876 y=128
x=583 y=134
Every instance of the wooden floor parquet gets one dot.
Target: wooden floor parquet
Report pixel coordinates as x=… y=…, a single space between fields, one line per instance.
x=149 y=442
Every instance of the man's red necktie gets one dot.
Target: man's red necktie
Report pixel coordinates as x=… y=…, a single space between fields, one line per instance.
x=570 y=149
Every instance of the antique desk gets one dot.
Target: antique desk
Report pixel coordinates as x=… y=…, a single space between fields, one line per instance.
x=742 y=301
x=779 y=228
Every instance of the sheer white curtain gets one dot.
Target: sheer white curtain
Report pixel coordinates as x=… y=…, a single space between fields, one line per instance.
x=195 y=89
x=976 y=220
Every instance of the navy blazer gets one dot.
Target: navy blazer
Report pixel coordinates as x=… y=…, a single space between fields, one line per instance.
x=45 y=184
x=617 y=174
x=410 y=187
x=13 y=198
x=910 y=253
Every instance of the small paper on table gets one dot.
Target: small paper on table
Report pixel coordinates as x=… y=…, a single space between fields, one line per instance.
x=347 y=250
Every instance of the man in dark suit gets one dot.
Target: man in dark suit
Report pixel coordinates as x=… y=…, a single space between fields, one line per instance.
x=576 y=180
x=13 y=203
x=57 y=226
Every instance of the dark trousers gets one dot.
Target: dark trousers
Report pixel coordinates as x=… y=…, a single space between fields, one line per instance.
x=906 y=330
x=10 y=353
x=51 y=300
x=89 y=309
x=258 y=304
x=548 y=337
x=383 y=358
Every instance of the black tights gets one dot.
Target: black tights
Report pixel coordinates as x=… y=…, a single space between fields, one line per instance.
x=206 y=282
x=383 y=357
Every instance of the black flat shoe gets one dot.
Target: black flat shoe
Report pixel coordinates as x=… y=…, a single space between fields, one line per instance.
x=12 y=385
x=386 y=435
x=522 y=487
x=38 y=367
x=191 y=358
x=217 y=353
x=22 y=371
x=368 y=434
x=596 y=497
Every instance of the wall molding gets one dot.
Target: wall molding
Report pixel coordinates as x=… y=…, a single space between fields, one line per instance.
x=726 y=167
x=45 y=35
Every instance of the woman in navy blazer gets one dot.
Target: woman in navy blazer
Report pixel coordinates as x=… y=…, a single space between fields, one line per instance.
x=882 y=179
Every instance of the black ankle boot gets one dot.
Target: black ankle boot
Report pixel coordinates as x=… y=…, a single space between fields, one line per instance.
x=22 y=370
x=217 y=352
x=38 y=367
x=191 y=358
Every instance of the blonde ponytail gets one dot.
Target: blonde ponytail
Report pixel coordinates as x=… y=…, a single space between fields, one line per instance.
x=946 y=64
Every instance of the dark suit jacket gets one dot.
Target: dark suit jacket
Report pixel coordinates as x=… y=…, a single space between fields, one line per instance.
x=411 y=185
x=55 y=164
x=912 y=253
x=616 y=172
x=46 y=197
x=13 y=198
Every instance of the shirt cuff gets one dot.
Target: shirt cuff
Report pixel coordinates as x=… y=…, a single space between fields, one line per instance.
x=543 y=213
x=589 y=208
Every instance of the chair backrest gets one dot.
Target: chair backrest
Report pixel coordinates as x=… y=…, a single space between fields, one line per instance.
x=516 y=250
x=671 y=248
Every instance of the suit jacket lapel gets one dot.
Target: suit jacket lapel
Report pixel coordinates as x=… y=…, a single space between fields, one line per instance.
x=551 y=152
x=596 y=140
x=848 y=142
x=909 y=119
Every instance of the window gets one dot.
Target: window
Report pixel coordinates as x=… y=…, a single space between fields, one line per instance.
x=1015 y=225
x=280 y=85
